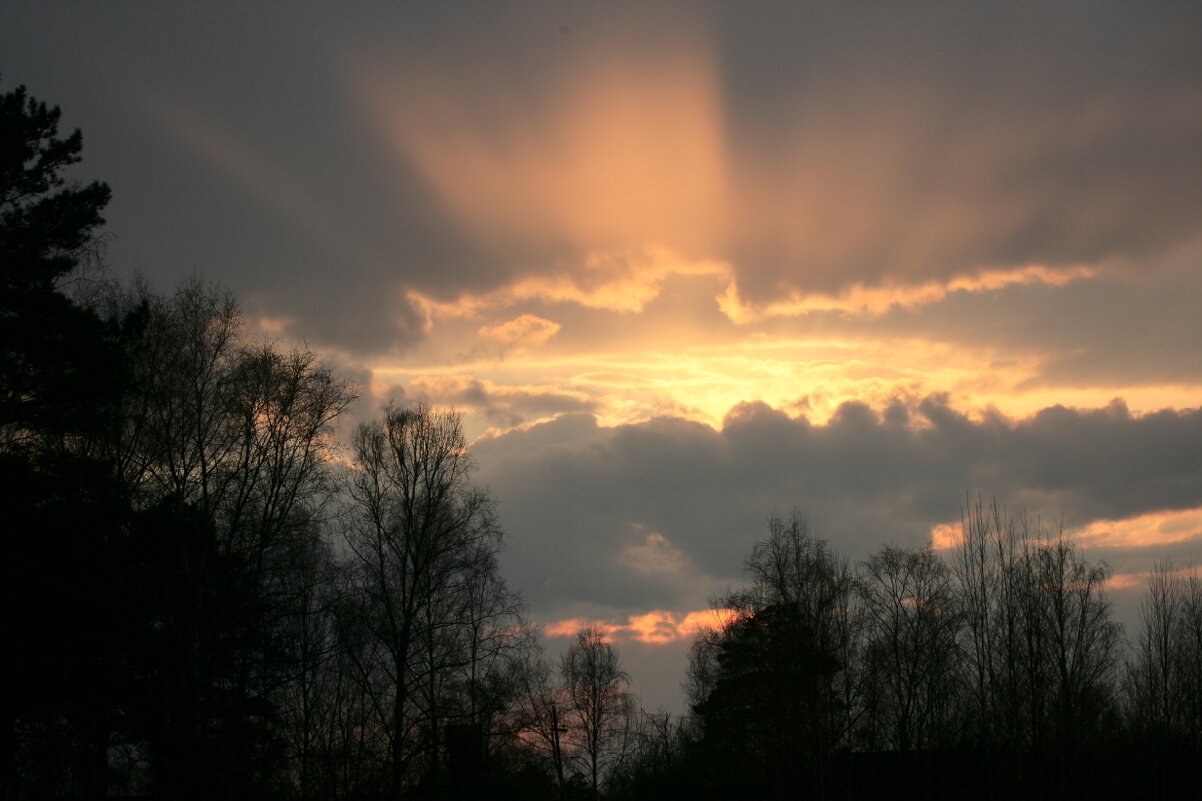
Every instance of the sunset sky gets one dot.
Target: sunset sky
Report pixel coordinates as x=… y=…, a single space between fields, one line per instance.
x=684 y=266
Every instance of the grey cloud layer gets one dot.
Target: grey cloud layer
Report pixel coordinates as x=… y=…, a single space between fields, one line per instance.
x=570 y=491
x=507 y=407
x=971 y=136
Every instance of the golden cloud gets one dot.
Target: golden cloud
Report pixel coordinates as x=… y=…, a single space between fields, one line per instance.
x=657 y=627
x=617 y=280
x=946 y=535
x=526 y=330
x=849 y=194
x=1154 y=528
x=808 y=377
x=861 y=299
x=1129 y=581
x=1151 y=529
x=272 y=325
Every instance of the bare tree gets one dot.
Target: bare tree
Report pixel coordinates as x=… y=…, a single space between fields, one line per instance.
x=543 y=709
x=417 y=529
x=656 y=744
x=599 y=701
x=179 y=434
x=912 y=625
x=1040 y=648
x=315 y=686
x=1163 y=682
x=793 y=568
x=702 y=671
x=242 y=430
x=1191 y=636
x=492 y=641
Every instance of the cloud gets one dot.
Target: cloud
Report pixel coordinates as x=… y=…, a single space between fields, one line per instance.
x=657 y=627
x=653 y=555
x=1155 y=528
x=877 y=300
x=946 y=536
x=504 y=405
x=808 y=159
x=902 y=159
x=253 y=171
x=903 y=237
x=1139 y=580
x=611 y=143
x=917 y=144
x=1151 y=529
x=618 y=280
x=573 y=490
x=524 y=330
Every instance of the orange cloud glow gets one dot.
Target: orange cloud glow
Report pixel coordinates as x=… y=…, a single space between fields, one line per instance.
x=526 y=329
x=876 y=300
x=272 y=325
x=604 y=184
x=1128 y=581
x=624 y=382
x=1154 y=528
x=946 y=535
x=620 y=280
x=657 y=627
x=623 y=149
x=568 y=627
x=469 y=393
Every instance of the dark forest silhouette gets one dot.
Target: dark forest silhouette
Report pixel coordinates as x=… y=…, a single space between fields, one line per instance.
x=209 y=597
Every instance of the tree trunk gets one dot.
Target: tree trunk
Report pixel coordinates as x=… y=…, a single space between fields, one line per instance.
x=398 y=740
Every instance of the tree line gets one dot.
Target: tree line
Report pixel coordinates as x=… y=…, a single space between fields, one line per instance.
x=210 y=595
x=995 y=669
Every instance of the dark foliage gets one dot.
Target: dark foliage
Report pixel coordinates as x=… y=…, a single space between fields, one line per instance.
x=766 y=704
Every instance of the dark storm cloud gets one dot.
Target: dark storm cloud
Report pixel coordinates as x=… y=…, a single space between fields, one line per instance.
x=234 y=148
x=571 y=491
x=944 y=138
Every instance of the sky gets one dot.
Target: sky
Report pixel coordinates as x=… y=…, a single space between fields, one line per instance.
x=684 y=266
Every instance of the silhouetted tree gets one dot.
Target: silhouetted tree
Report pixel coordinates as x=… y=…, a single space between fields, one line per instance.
x=542 y=707
x=1163 y=682
x=199 y=621
x=599 y=703
x=53 y=351
x=654 y=758
x=423 y=540
x=314 y=689
x=768 y=703
x=61 y=369
x=911 y=655
x=1040 y=649
x=794 y=570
